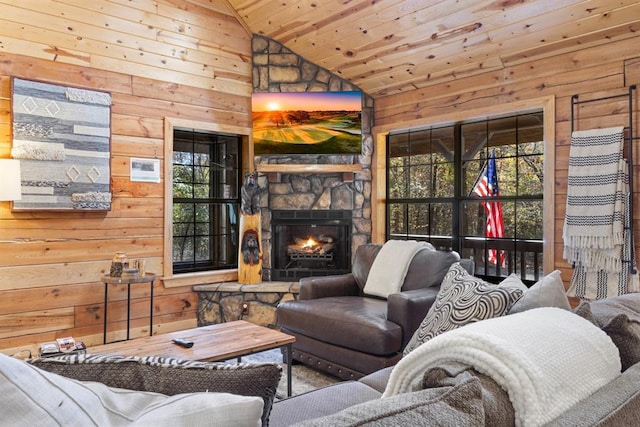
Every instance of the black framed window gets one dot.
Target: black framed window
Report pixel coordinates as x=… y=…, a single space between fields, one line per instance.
x=206 y=200
x=431 y=177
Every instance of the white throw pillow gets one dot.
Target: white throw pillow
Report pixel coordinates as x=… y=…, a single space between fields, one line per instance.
x=513 y=280
x=546 y=292
x=32 y=396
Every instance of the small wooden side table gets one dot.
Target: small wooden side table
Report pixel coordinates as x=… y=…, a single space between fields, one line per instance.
x=108 y=280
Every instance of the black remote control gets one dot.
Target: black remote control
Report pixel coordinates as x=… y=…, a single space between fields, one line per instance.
x=183 y=343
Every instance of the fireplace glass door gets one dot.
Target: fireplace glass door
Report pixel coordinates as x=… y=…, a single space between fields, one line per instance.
x=310 y=243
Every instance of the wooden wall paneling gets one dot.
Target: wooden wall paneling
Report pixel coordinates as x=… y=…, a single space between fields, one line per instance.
x=108 y=29
x=390 y=107
x=37 y=321
x=13 y=63
x=632 y=71
x=136 y=126
x=440 y=104
x=135 y=146
x=603 y=28
x=157 y=60
x=94 y=229
x=51 y=297
x=132 y=105
x=93 y=335
x=50 y=252
x=182 y=94
x=154 y=71
x=43 y=275
x=163 y=305
x=136 y=189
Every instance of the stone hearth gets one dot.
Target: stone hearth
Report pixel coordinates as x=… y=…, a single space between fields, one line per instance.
x=222 y=302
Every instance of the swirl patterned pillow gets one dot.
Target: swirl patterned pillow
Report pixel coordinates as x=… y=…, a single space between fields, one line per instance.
x=463 y=299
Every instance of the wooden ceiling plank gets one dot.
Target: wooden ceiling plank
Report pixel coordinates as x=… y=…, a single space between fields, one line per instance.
x=399 y=31
x=247 y=8
x=389 y=64
x=478 y=55
x=502 y=35
x=432 y=76
x=261 y=13
x=217 y=6
x=355 y=18
x=370 y=32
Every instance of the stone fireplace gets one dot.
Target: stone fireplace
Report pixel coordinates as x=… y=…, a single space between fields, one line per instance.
x=310 y=243
x=313 y=185
x=332 y=183
x=331 y=208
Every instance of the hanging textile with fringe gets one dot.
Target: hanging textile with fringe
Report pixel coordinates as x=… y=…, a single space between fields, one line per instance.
x=596 y=236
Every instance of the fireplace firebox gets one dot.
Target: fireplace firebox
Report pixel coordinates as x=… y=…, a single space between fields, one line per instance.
x=310 y=243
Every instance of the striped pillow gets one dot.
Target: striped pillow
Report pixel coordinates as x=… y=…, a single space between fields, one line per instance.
x=463 y=299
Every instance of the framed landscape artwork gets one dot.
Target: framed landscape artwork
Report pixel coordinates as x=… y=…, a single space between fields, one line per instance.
x=61 y=135
x=307 y=122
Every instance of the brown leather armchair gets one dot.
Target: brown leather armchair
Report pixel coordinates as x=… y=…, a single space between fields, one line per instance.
x=348 y=334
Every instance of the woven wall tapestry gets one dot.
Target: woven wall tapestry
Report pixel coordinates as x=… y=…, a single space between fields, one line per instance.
x=61 y=135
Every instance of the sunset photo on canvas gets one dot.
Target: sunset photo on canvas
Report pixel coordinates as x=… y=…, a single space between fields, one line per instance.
x=307 y=123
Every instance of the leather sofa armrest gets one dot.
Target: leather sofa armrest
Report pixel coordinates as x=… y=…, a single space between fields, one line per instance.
x=409 y=308
x=328 y=286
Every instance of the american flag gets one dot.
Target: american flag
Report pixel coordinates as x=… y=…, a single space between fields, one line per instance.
x=487 y=186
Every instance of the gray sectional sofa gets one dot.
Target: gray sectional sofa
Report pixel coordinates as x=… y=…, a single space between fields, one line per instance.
x=577 y=367
x=455 y=393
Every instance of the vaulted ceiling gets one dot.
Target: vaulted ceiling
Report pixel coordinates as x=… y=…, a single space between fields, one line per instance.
x=390 y=46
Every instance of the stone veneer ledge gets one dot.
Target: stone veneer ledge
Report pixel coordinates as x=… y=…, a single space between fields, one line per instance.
x=291 y=287
x=222 y=302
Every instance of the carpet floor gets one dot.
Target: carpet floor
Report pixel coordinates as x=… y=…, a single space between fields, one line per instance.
x=304 y=378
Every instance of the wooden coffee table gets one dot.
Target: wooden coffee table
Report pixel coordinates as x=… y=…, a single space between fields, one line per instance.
x=212 y=343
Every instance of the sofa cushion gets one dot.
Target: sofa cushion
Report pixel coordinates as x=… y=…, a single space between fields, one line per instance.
x=32 y=396
x=618 y=317
x=357 y=323
x=321 y=402
x=462 y=299
x=378 y=380
x=459 y=405
x=546 y=292
x=169 y=376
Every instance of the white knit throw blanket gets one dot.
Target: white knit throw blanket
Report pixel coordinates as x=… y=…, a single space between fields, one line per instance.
x=391 y=265
x=547 y=359
x=593 y=231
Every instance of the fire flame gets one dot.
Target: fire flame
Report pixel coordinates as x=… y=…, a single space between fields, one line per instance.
x=310 y=243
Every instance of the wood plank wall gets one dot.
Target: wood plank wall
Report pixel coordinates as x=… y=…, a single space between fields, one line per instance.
x=590 y=73
x=158 y=58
